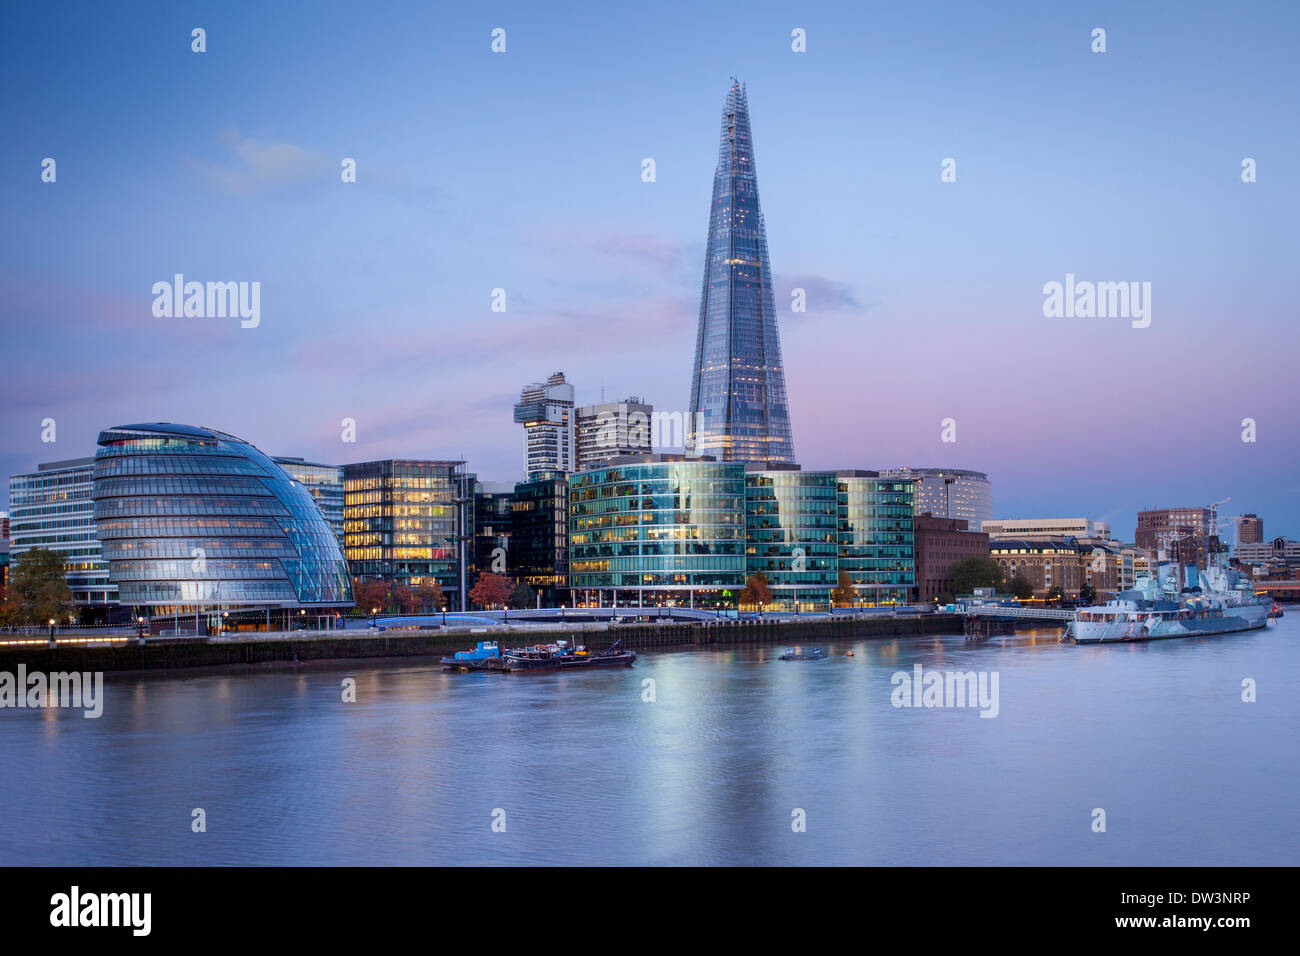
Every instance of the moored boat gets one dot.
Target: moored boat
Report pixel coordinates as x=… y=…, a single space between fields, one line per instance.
x=563 y=656
x=486 y=656
x=800 y=654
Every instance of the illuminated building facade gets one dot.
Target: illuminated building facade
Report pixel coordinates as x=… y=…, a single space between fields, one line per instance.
x=738 y=399
x=545 y=409
x=52 y=508
x=950 y=493
x=408 y=521
x=658 y=529
x=192 y=516
x=792 y=533
x=324 y=483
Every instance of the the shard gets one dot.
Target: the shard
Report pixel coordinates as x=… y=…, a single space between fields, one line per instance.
x=738 y=401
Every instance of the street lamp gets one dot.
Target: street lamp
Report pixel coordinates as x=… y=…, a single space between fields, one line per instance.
x=52 y=632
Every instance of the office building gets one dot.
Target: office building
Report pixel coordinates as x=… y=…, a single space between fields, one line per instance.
x=1082 y=528
x=52 y=508
x=1277 y=554
x=950 y=493
x=493 y=518
x=410 y=521
x=1046 y=563
x=1250 y=529
x=941 y=543
x=539 y=537
x=324 y=483
x=876 y=536
x=792 y=533
x=1184 y=533
x=738 y=399
x=658 y=529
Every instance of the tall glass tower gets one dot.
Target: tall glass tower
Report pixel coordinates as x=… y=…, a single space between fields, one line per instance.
x=738 y=402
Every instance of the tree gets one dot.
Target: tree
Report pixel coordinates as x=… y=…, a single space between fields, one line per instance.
x=429 y=596
x=756 y=591
x=38 y=590
x=1022 y=588
x=491 y=590
x=1055 y=595
x=842 y=594
x=971 y=573
x=405 y=598
x=1088 y=594
x=371 y=593
x=523 y=597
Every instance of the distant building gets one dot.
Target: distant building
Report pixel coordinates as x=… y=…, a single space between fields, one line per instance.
x=539 y=537
x=1185 y=533
x=4 y=564
x=52 y=508
x=410 y=521
x=1250 y=529
x=545 y=409
x=612 y=430
x=1047 y=528
x=4 y=524
x=941 y=543
x=1046 y=563
x=950 y=493
x=1278 y=554
x=324 y=483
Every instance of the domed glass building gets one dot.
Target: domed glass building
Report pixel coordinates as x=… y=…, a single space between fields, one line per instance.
x=191 y=516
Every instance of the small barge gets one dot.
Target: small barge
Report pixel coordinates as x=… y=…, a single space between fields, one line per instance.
x=564 y=656
x=799 y=654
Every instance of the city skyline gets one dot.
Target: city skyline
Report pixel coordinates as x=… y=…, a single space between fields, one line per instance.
x=924 y=297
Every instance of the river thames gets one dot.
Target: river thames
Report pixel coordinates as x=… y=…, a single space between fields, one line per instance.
x=581 y=769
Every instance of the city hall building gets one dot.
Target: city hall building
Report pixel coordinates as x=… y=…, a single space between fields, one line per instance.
x=192 y=518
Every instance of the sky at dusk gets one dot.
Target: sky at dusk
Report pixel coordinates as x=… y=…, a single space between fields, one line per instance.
x=522 y=171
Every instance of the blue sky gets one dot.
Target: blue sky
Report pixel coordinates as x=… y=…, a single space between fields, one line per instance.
x=522 y=171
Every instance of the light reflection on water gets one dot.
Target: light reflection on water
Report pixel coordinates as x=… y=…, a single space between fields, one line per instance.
x=588 y=773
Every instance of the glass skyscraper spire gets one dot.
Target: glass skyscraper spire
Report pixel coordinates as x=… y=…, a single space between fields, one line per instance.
x=738 y=401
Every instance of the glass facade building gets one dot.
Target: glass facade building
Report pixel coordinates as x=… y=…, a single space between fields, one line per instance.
x=52 y=508
x=407 y=521
x=539 y=536
x=876 y=536
x=792 y=534
x=191 y=516
x=738 y=399
x=655 y=529
x=324 y=483
x=493 y=520
x=950 y=493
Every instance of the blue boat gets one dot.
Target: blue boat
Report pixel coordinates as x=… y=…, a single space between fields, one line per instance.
x=486 y=656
